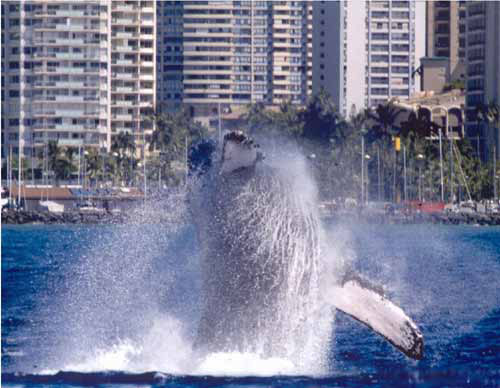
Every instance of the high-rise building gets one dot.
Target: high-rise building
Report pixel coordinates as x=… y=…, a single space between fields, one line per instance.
x=75 y=71
x=445 y=35
x=483 y=68
x=233 y=52
x=370 y=50
x=394 y=47
x=330 y=50
x=132 y=48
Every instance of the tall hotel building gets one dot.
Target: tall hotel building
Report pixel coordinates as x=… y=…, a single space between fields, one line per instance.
x=232 y=53
x=76 y=71
x=483 y=67
x=377 y=44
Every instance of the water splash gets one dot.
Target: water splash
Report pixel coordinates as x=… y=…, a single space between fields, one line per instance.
x=136 y=301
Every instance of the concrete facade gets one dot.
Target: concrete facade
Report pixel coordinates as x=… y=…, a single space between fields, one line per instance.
x=370 y=50
x=233 y=53
x=75 y=71
x=445 y=34
x=483 y=70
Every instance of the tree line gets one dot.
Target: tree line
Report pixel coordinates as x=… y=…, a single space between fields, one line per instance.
x=332 y=142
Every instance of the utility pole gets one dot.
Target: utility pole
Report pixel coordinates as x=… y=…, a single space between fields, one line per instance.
x=32 y=159
x=144 y=162
x=187 y=167
x=362 y=169
x=378 y=171
x=441 y=164
x=79 y=163
x=19 y=163
x=219 y=125
x=394 y=177
x=495 y=172
x=404 y=172
x=452 y=193
x=9 y=174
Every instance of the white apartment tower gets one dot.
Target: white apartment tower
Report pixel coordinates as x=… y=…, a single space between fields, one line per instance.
x=395 y=44
x=75 y=71
x=366 y=52
x=233 y=52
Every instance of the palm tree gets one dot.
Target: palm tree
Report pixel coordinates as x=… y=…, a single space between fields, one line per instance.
x=256 y=117
x=58 y=163
x=172 y=133
x=322 y=122
x=383 y=131
x=489 y=114
x=124 y=144
x=124 y=148
x=94 y=163
x=384 y=118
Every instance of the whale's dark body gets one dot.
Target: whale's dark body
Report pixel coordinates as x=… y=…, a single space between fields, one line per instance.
x=248 y=229
x=261 y=241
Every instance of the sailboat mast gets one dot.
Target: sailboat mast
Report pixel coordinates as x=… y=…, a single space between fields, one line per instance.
x=19 y=175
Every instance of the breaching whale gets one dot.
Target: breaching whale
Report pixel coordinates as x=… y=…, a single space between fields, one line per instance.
x=261 y=244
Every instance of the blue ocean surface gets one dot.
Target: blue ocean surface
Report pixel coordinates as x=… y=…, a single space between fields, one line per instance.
x=117 y=306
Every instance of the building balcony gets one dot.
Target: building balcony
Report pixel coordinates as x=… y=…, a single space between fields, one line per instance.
x=123 y=34
x=78 y=28
x=123 y=117
x=119 y=6
x=127 y=49
x=125 y=21
x=68 y=13
x=124 y=89
x=123 y=103
x=125 y=76
x=124 y=62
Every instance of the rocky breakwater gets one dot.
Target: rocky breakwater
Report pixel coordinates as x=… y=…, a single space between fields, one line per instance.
x=45 y=217
x=472 y=218
x=447 y=218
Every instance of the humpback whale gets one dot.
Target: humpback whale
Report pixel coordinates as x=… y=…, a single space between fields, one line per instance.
x=261 y=238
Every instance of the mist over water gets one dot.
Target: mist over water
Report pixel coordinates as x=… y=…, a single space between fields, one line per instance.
x=134 y=298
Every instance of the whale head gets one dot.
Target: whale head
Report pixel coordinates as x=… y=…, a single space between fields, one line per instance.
x=238 y=152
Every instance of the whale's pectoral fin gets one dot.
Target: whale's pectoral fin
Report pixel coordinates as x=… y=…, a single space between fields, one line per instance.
x=367 y=304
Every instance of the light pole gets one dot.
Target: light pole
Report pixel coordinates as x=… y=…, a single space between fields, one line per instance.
x=137 y=174
x=115 y=154
x=420 y=158
x=404 y=173
x=367 y=158
x=362 y=169
x=378 y=172
x=85 y=154
x=441 y=163
x=497 y=177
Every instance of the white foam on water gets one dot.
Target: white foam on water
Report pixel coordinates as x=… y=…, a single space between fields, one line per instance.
x=244 y=364
x=163 y=347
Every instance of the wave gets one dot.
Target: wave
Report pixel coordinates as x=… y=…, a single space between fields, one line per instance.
x=403 y=378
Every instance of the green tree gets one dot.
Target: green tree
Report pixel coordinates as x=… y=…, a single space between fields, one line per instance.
x=58 y=163
x=173 y=133
x=123 y=149
x=322 y=122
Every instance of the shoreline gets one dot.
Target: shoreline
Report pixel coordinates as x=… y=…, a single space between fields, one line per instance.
x=21 y=217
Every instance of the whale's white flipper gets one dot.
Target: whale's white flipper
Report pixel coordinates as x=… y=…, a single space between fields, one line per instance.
x=367 y=304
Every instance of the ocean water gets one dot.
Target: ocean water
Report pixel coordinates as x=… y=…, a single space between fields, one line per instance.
x=118 y=305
